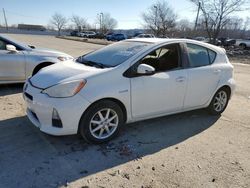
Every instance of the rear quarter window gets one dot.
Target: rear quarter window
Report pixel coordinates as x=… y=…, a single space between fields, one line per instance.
x=212 y=55
x=200 y=56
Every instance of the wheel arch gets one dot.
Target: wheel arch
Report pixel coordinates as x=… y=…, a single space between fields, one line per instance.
x=227 y=86
x=41 y=65
x=120 y=104
x=243 y=44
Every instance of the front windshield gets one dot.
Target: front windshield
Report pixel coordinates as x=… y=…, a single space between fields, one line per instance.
x=113 y=55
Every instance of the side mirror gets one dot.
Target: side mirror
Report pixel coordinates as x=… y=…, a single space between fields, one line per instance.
x=11 y=48
x=145 y=69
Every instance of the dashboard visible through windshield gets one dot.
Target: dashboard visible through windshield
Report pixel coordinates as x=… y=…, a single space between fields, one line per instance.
x=112 y=55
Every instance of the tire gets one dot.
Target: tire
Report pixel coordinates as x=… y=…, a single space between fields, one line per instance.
x=243 y=46
x=219 y=101
x=95 y=123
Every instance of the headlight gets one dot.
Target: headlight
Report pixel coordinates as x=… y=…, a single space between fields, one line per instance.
x=66 y=89
x=62 y=58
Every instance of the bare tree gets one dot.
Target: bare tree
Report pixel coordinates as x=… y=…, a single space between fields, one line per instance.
x=234 y=23
x=80 y=23
x=160 y=18
x=184 y=24
x=247 y=24
x=216 y=14
x=59 y=21
x=106 y=22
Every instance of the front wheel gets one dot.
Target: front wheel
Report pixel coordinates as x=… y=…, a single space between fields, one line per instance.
x=101 y=122
x=243 y=46
x=219 y=101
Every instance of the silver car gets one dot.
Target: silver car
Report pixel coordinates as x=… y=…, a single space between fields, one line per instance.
x=19 y=61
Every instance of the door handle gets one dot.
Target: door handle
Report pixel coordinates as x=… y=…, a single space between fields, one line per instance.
x=180 y=79
x=217 y=71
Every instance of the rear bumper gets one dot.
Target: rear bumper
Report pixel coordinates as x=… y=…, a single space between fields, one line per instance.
x=232 y=85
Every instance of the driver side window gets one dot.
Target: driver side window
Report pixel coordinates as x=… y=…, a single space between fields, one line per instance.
x=2 y=45
x=164 y=59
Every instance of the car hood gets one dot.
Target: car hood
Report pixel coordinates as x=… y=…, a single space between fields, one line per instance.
x=48 y=52
x=63 y=72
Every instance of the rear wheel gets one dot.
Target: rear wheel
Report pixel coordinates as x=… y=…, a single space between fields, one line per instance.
x=219 y=101
x=101 y=122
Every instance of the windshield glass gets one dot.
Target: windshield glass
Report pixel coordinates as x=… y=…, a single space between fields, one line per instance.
x=113 y=55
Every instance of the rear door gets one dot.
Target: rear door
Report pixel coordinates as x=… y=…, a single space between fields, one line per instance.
x=203 y=75
x=12 y=64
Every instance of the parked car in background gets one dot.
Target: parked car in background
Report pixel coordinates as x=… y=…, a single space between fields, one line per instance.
x=109 y=35
x=136 y=34
x=208 y=40
x=128 y=81
x=145 y=36
x=243 y=43
x=87 y=34
x=99 y=35
x=74 y=33
x=116 y=37
x=19 y=61
x=229 y=42
x=217 y=42
x=202 y=39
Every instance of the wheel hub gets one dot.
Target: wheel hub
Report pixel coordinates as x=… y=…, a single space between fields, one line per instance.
x=104 y=123
x=220 y=101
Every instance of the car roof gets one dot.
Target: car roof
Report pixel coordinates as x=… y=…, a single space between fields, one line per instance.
x=179 y=40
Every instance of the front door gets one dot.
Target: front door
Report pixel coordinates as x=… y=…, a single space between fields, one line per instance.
x=12 y=64
x=163 y=92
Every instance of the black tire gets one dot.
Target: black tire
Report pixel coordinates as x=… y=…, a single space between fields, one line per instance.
x=85 y=124
x=213 y=107
x=243 y=46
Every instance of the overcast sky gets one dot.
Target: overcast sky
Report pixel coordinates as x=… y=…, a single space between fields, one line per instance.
x=127 y=12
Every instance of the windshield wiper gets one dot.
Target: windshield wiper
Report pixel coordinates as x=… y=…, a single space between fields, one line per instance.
x=91 y=63
x=94 y=64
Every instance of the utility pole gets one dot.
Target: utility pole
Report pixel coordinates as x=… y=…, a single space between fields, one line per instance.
x=156 y=12
x=156 y=17
x=101 y=22
x=6 y=24
x=100 y=15
x=198 y=12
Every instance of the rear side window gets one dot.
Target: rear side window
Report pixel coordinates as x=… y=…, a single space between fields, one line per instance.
x=212 y=55
x=200 y=56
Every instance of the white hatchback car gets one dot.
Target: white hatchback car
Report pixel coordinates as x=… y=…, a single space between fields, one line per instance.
x=128 y=81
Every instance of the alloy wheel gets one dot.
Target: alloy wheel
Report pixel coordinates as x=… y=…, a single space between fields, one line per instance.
x=104 y=123
x=220 y=101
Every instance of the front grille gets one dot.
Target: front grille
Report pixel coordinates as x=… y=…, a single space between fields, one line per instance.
x=30 y=97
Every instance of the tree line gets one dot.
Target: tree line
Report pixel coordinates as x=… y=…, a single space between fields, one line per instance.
x=103 y=20
x=215 y=19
